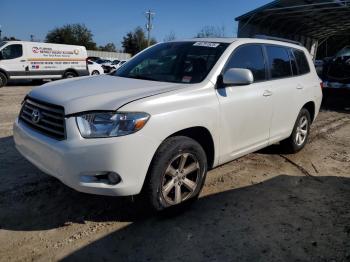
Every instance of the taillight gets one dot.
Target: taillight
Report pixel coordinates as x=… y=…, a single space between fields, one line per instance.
x=321 y=85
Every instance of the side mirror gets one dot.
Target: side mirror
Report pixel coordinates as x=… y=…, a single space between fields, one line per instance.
x=237 y=76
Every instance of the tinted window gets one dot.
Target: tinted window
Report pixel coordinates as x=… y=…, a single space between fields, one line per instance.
x=12 y=52
x=279 y=62
x=249 y=57
x=302 y=63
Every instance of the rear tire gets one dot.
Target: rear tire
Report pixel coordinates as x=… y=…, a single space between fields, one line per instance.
x=300 y=134
x=95 y=73
x=177 y=173
x=3 y=80
x=69 y=74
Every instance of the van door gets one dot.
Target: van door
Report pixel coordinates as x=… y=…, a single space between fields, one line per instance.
x=13 y=61
x=245 y=110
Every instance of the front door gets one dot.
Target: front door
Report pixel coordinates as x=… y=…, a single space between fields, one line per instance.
x=246 y=111
x=13 y=61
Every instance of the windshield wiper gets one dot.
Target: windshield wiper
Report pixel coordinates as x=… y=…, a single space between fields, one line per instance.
x=142 y=77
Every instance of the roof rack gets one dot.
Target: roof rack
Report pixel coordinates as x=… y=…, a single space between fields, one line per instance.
x=277 y=39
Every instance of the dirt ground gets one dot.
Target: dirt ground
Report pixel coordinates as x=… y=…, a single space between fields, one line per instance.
x=263 y=207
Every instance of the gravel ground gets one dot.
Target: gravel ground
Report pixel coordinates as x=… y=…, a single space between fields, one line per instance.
x=262 y=207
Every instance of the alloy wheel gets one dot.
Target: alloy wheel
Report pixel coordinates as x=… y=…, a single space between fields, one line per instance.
x=181 y=179
x=302 y=130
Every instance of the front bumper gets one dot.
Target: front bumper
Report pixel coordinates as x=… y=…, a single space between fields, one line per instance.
x=73 y=159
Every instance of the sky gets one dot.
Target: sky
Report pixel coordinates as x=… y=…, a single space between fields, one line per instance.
x=110 y=20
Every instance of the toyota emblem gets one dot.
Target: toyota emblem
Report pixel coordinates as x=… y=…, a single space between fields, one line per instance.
x=36 y=116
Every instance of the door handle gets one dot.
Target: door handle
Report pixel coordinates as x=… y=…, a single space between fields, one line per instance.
x=267 y=93
x=300 y=87
x=22 y=60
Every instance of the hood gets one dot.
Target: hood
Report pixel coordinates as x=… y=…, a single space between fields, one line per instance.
x=103 y=92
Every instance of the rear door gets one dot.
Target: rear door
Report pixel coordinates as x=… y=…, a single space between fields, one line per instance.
x=245 y=110
x=284 y=91
x=13 y=60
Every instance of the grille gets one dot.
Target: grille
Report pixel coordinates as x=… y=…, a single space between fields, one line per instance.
x=45 y=118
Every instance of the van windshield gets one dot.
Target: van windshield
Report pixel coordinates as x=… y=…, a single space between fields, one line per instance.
x=177 y=62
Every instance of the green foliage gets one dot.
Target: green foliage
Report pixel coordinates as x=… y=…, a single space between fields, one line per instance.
x=72 y=34
x=110 y=47
x=11 y=38
x=135 y=41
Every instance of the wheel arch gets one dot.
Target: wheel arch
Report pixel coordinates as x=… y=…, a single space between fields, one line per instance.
x=5 y=73
x=311 y=107
x=203 y=136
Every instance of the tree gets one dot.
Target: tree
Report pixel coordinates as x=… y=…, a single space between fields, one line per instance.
x=11 y=38
x=135 y=41
x=72 y=34
x=110 y=47
x=211 y=31
x=170 y=37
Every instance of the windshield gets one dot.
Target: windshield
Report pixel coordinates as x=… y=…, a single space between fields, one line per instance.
x=177 y=62
x=344 y=52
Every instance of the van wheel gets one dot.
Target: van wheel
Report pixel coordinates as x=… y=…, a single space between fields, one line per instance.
x=3 y=80
x=95 y=73
x=69 y=74
x=300 y=134
x=177 y=173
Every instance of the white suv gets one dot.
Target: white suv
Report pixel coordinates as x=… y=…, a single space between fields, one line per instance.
x=171 y=113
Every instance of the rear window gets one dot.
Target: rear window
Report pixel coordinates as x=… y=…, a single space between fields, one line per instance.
x=279 y=62
x=303 y=65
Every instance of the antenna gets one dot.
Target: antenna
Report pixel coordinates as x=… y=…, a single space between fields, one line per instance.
x=149 y=25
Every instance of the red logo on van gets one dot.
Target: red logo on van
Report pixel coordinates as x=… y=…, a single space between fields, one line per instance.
x=35 y=49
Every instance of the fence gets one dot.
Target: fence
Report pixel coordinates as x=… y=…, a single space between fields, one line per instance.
x=109 y=55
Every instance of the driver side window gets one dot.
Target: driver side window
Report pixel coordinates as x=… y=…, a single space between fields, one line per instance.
x=249 y=57
x=12 y=52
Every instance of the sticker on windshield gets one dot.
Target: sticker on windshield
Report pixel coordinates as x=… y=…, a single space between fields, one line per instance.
x=186 y=79
x=206 y=44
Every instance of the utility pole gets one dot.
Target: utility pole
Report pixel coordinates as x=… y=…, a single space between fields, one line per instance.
x=149 y=26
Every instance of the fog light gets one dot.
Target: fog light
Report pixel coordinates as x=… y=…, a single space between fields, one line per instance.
x=113 y=178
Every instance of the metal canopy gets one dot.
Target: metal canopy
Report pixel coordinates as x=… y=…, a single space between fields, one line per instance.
x=313 y=19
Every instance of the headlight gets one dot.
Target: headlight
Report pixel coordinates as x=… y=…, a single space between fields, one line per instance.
x=109 y=124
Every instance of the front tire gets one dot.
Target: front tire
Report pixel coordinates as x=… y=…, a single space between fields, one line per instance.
x=95 y=73
x=3 y=80
x=300 y=134
x=177 y=173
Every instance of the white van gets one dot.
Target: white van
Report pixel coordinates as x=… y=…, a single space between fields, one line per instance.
x=32 y=60
x=175 y=110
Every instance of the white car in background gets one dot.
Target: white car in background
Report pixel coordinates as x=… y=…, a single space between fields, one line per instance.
x=174 y=111
x=94 y=68
x=121 y=62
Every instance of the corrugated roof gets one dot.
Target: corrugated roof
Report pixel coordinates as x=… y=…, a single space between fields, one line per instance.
x=313 y=18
